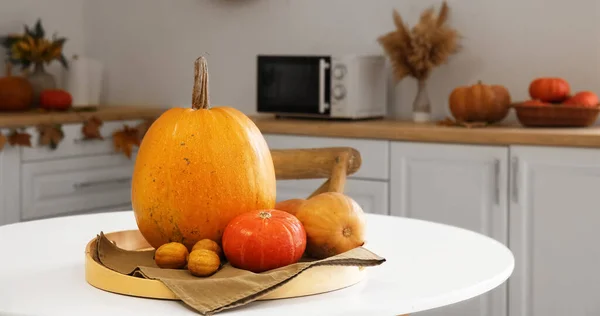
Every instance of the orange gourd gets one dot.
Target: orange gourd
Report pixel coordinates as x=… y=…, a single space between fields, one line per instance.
x=291 y=206
x=197 y=169
x=583 y=99
x=334 y=224
x=16 y=93
x=549 y=89
x=480 y=103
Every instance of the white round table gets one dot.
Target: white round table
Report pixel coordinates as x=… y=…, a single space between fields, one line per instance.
x=428 y=265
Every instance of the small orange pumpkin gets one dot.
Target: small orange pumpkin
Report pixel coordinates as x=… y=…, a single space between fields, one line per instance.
x=480 y=103
x=16 y=93
x=549 y=89
x=197 y=169
x=334 y=223
x=583 y=99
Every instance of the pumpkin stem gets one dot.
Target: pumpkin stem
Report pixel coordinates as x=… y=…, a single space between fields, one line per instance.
x=264 y=215
x=200 y=98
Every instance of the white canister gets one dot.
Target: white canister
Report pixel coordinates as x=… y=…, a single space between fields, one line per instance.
x=84 y=81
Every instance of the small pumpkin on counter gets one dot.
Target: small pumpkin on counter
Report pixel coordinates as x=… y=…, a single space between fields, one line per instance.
x=264 y=240
x=549 y=89
x=16 y=93
x=480 y=103
x=535 y=103
x=55 y=100
x=584 y=99
x=198 y=168
x=334 y=224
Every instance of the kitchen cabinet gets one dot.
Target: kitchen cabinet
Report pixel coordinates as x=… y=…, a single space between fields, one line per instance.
x=9 y=185
x=459 y=185
x=372 y=196
x=554 y=218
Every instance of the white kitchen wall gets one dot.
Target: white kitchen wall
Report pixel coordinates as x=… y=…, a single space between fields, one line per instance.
x=65 y=17
x=148 y=46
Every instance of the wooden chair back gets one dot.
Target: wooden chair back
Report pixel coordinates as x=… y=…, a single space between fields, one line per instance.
x=333 y=164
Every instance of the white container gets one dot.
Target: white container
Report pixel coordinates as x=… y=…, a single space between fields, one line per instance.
x=84 y=81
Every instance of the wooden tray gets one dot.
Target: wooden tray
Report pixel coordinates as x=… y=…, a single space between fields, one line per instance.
x=316 y=280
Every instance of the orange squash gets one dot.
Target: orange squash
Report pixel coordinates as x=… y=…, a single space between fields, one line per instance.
x=480 y=103
x=334 y=223
x=197 y=169
x=291 y=206
x=583 y=99
x=16 y=93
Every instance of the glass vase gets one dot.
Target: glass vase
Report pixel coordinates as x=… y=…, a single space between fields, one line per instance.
x=40 y=80
x=422 y=105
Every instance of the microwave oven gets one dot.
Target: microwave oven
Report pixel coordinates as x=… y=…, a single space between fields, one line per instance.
x=336 y=87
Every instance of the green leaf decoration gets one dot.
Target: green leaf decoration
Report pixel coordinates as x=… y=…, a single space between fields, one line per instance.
x=63 y=61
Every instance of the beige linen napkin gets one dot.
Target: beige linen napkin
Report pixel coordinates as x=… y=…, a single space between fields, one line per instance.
x=229 y=287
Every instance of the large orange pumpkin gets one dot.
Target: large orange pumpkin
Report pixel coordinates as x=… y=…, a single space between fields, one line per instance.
x=549 y=89
x=480 y=103
x=197 y=169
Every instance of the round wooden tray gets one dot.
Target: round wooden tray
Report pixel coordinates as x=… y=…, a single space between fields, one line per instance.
x=316 y=280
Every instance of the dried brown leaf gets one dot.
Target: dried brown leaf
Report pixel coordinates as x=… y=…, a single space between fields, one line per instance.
x=125 y=139
x=50 y=135
x=19 y=139
x=91 y=128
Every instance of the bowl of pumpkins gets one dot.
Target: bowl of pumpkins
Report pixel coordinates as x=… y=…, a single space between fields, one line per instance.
x=553 y=105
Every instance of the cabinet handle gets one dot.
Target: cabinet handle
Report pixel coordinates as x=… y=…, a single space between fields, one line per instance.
x=515 y=173
x=497 y=180
x=83 y=185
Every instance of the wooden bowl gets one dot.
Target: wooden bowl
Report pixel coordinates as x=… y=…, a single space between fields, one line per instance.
x=556 y=115
x=316 y=280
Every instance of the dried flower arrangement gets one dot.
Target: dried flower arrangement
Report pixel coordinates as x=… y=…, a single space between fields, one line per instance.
x=416 y=51
x=32 y=47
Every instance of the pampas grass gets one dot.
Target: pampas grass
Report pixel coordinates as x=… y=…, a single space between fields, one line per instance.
x=416 y=52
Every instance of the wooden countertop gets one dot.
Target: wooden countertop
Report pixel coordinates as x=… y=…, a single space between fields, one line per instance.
x=105 y=113
x=408 y=131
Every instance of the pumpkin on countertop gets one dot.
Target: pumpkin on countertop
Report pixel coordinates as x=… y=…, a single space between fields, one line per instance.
x=549 y=89
x=55 y=100
x=480 y=103
x=197 y=169
x=16 y=93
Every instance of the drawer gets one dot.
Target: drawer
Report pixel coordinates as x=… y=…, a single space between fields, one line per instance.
x=374 y=153
x=72 y=144
x=372 y=196
x=75 y=185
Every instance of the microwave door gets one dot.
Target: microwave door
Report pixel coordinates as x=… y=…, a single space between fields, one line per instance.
x=293 y=84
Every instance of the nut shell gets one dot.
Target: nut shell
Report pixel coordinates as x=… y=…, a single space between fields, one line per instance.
x=172 y=255
x=203 y=263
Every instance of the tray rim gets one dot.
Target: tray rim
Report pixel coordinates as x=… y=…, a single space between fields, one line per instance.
x=108 y=280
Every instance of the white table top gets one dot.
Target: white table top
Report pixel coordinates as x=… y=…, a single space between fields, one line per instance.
x=428 y=265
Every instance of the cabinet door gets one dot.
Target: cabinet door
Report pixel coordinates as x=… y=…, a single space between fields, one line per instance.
x=372 y=196
x=9 y=185
x=464 y=186
x=554 y=220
